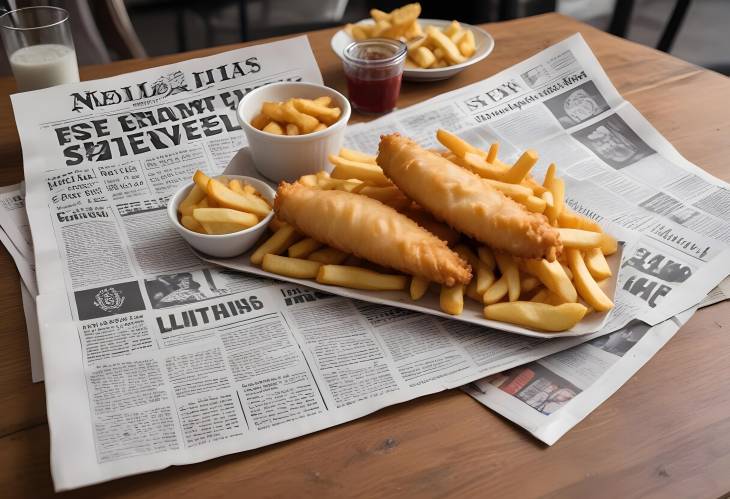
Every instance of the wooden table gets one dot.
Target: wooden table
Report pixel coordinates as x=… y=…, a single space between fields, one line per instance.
x=666 y=433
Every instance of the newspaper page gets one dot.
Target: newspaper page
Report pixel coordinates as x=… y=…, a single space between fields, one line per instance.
x=552 y=395
x=618 y=169
x=154 y=358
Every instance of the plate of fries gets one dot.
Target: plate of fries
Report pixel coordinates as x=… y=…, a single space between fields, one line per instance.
x=437 y=49
x=567 y=296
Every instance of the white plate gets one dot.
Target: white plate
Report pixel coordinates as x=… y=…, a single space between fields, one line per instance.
x=242 y=164
x=483 y=40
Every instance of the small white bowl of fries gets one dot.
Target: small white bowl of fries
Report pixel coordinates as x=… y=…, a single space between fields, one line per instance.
x=292 y=127
x=437 y=49
x=222 y=216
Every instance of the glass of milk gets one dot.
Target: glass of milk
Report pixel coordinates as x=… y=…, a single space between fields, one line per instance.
x=39 y=46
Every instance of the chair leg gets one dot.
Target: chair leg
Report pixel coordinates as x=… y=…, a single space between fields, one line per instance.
x=621 y=17
x=673 y=26
x=507 y=9
x=243 y=16
x=180 y=21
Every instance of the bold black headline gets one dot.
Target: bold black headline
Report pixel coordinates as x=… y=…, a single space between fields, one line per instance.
x=160 y=128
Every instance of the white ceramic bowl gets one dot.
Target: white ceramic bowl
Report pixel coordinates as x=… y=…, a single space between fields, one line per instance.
x=222 y=245
x=483 y=40
x=288 y=157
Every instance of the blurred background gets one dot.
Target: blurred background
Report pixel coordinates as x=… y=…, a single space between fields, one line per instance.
x=104 y=30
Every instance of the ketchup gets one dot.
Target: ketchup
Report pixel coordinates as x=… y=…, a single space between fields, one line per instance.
x=374 y=69
x=374 y=96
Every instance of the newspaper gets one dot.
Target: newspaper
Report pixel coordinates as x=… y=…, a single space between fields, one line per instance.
x=550 y=396
x=618 y=169
x=154 y=358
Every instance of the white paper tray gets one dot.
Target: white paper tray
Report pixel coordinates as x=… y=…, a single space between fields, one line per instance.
x=242 y=164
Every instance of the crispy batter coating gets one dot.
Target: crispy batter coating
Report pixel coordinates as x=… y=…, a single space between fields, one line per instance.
x=371 y=230
x=466 y=201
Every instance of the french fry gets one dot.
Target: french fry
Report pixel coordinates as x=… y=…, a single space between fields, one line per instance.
x=577 y=238
x=276 y=244
x=327 y=115
x=292 y=129
x=418 y=288
x=452 y=28
x=328 y=256
x=190 y=223
x=227 y=198
x=549 y=176
x=225 y=215
x=359 y=278
x=456 y=144
x=496 y=291
x=443 y=42
x=303 y=248
x=486 y=256
x=346 y=169
x=201 y=180
x=483 y=275
x=535 y=204
x=609 y=245
x=423 y=57
x=358 y=156
x=236 y=186
x=451 y=299
x=325 y=100
x=260 y=121
x=509 y=270
x=195 y=196
x=586 y=285
x=204 y=203
x=567 y=271
x=305 y=122
x=541 y=296
x=467 y=44
x=552 y=275
x=521 y=168
x=290 y=267
x=379 y=15
x=273 y=127
x=220 y=228
x=557 y=189
x=528 y=283
x=357 y=32
x=597 y=264
x=471 y=292
x=537 y=315
x=320 y=126
x=547 y=196
x=492 y=153
x=571 y=220
x=405 y=15
x=274 y=110
x=413 y=30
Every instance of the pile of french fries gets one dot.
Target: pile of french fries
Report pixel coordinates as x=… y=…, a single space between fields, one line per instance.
x=427 y=48
x=221 y=206
x=535 y=293
x=296 y=116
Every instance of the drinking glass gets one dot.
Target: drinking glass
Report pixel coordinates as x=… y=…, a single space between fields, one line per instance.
x=39 y=46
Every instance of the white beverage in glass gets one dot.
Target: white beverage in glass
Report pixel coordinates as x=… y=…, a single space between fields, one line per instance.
x=44 y=65
x=40 y=47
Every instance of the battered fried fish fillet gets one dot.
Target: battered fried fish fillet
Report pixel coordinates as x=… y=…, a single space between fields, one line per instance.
x=466 y=201
x=371 y=230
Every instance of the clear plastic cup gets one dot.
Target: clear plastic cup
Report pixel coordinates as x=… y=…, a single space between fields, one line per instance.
x=374 y=69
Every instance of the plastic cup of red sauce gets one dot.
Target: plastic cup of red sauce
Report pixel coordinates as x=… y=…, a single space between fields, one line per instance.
x=374 y=69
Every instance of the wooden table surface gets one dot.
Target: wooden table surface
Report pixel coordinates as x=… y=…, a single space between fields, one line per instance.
x=666 y=433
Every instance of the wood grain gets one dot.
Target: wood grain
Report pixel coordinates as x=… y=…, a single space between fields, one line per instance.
x=666 y=433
